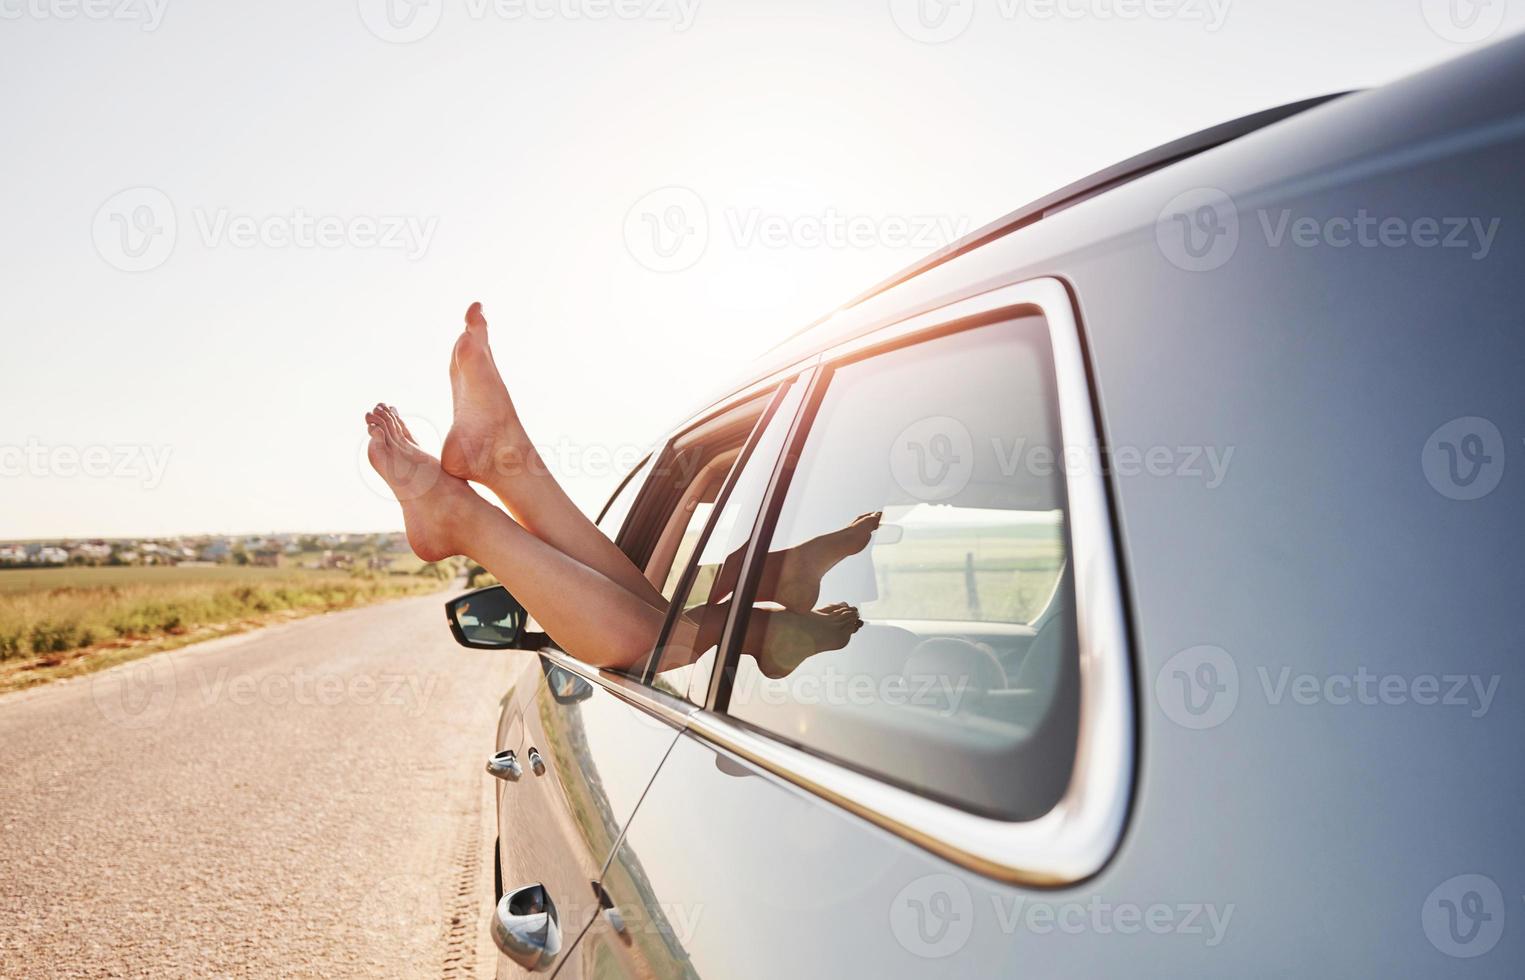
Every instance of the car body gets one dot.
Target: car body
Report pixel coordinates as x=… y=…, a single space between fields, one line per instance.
x=1270 y=571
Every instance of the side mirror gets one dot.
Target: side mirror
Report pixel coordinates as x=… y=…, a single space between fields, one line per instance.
x=490 y=619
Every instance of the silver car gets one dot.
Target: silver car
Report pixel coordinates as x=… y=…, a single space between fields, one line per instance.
x=1188 y=606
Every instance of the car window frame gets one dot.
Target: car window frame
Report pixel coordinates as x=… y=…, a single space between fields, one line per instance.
x=1075 y=839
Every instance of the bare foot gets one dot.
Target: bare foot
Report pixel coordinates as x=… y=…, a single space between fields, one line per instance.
x=794 y=637
x=486 y=442
x=792 y=578
x=436 y=507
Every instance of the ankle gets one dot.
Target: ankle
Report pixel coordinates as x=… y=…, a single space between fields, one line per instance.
x=509 y=464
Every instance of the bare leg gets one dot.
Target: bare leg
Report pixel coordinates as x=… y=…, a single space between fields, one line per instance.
x=488 y=445
x=594 y=618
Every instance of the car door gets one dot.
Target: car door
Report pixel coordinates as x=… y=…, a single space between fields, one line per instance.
x=582 y=750
x=560 y=804
x=903 y=801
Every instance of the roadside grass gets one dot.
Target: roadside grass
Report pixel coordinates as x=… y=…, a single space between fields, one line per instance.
x=60 y=622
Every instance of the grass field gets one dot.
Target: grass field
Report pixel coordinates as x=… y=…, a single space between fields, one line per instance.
x=70 y=620
x=992 y=573
x=86 y=577
x=999 y=574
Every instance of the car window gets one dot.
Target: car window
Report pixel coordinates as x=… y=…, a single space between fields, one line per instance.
x=696 y=502
x=688 y=654
x=670 y=514
x=618 y=508
x=693 y=527
x=914 y=617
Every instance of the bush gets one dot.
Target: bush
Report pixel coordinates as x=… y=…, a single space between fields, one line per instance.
x=478 y=577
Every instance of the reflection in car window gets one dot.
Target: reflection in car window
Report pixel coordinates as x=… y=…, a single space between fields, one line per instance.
x=914 y=616
x=689 y=653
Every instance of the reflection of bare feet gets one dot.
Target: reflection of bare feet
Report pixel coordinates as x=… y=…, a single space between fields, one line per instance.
x=794 y=637
x=436 y=507
x=485 y=440
x=792 y=578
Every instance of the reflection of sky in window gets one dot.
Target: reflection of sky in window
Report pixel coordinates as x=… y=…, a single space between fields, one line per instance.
x=947 y=515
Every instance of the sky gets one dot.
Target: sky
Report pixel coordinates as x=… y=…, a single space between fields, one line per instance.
x=229 y=229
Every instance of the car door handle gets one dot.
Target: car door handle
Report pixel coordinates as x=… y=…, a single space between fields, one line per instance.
x=526 y=928
x=505 y=766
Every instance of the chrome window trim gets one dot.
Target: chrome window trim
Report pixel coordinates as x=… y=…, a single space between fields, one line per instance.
x=1075 y=839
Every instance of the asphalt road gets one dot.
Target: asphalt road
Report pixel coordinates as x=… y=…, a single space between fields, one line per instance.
x=304 y=801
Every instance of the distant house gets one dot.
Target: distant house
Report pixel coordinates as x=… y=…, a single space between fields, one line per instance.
x=52 y=556
x=91 y=552
x=217 y=549
x=12 y=554
x=267 y=557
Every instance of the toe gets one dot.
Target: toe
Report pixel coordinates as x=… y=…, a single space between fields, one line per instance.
x=475 y=321
x=468 y=346
x=389 y=422
x=401 y=425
